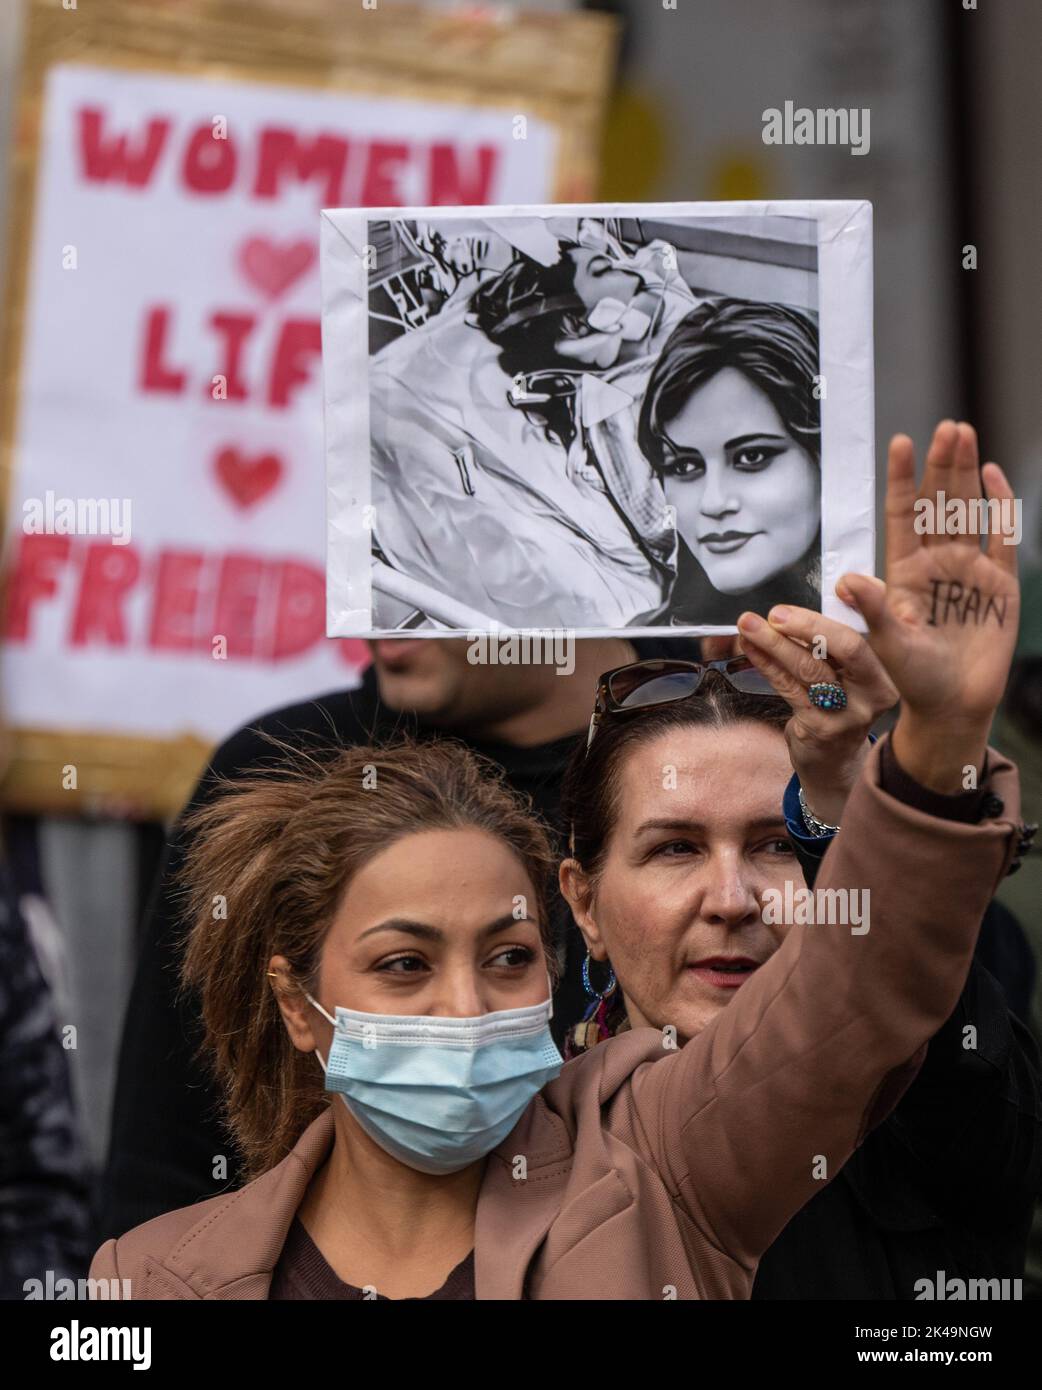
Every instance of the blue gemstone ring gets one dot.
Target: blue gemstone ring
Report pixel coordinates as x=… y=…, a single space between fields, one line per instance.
x=827 y=695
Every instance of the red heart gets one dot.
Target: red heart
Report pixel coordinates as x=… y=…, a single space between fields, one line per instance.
x=273 y=268
x=248 y=480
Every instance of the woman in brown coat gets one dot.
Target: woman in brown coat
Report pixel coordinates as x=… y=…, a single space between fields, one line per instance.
x=402 y=891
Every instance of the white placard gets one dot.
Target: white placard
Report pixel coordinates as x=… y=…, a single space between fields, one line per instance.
x=168 y=486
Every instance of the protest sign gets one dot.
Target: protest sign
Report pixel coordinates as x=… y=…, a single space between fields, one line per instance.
x=162 y=411
x=600 y=418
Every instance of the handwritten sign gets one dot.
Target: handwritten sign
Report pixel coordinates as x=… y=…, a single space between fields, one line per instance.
x=166 y=494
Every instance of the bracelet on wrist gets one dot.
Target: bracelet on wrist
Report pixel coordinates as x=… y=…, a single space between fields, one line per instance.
x=818 y=828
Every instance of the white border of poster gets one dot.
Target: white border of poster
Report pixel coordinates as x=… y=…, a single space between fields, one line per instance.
x=845 y=292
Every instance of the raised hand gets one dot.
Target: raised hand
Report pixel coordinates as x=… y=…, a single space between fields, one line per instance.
x=944 y=624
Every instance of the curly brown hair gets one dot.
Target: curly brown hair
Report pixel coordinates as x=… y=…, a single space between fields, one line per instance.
x=269 y=859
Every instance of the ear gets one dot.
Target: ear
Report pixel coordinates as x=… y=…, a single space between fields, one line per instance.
x=306 y=1027
x=577 y=891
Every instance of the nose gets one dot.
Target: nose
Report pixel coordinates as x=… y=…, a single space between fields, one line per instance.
x=728 y=896
x=459 y=997
x=718 y=498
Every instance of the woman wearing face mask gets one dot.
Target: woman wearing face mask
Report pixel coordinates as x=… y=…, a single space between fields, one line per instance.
x=380 y=919
x=731 y=426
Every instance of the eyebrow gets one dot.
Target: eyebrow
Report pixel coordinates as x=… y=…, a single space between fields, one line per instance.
x=753 y=827
x=424 y=932
x=748 y=438
x=734 y=443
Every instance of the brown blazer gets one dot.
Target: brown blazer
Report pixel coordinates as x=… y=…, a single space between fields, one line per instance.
x=652 y=1172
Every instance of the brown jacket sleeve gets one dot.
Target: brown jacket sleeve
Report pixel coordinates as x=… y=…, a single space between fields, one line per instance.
x=103 y=1265
x=751 y=1117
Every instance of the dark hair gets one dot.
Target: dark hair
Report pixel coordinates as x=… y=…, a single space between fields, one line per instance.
x=774 y=346
x=524 y=310
x=590 y=796
x=277 y=851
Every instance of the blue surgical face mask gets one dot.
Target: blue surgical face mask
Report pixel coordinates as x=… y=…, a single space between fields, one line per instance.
x=440 y=1093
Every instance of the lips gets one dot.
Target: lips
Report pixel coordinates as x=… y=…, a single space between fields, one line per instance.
x=395 y=654
x=724 y=972
x=726 y=542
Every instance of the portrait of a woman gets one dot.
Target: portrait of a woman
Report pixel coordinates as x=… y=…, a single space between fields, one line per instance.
x=730 y=424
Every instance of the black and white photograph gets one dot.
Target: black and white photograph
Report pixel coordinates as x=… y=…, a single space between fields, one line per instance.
x=592 y=422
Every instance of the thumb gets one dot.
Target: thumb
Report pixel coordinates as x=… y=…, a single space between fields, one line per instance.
x=867 y=594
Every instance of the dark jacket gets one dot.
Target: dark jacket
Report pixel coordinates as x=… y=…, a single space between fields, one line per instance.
x=43 y=1173
x=949 y=1181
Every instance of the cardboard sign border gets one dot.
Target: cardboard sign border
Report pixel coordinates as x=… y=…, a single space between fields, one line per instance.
x=316 y=44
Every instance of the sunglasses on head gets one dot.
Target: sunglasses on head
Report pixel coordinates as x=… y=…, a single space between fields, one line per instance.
x=646 y=685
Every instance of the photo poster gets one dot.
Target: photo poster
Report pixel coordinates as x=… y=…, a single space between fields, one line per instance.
x=606 y=419
x=162 y=411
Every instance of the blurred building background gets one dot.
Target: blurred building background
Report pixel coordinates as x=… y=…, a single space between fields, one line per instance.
x=955 y=161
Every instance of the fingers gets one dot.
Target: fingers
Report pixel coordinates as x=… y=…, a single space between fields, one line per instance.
x=793 y=667
x=845 y=649
x=868 y=596
x=996 y=484
x=782 y=681
x=952 y=469
x=940 y=459
x=965 y=475
x=901 y=540
x=952 y=472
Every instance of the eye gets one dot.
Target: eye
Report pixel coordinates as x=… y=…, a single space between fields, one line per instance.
x=780 y=846
x=755 y=457
x=673 y=849
x=513 y=958
x=684 y=466
x=403 y=965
